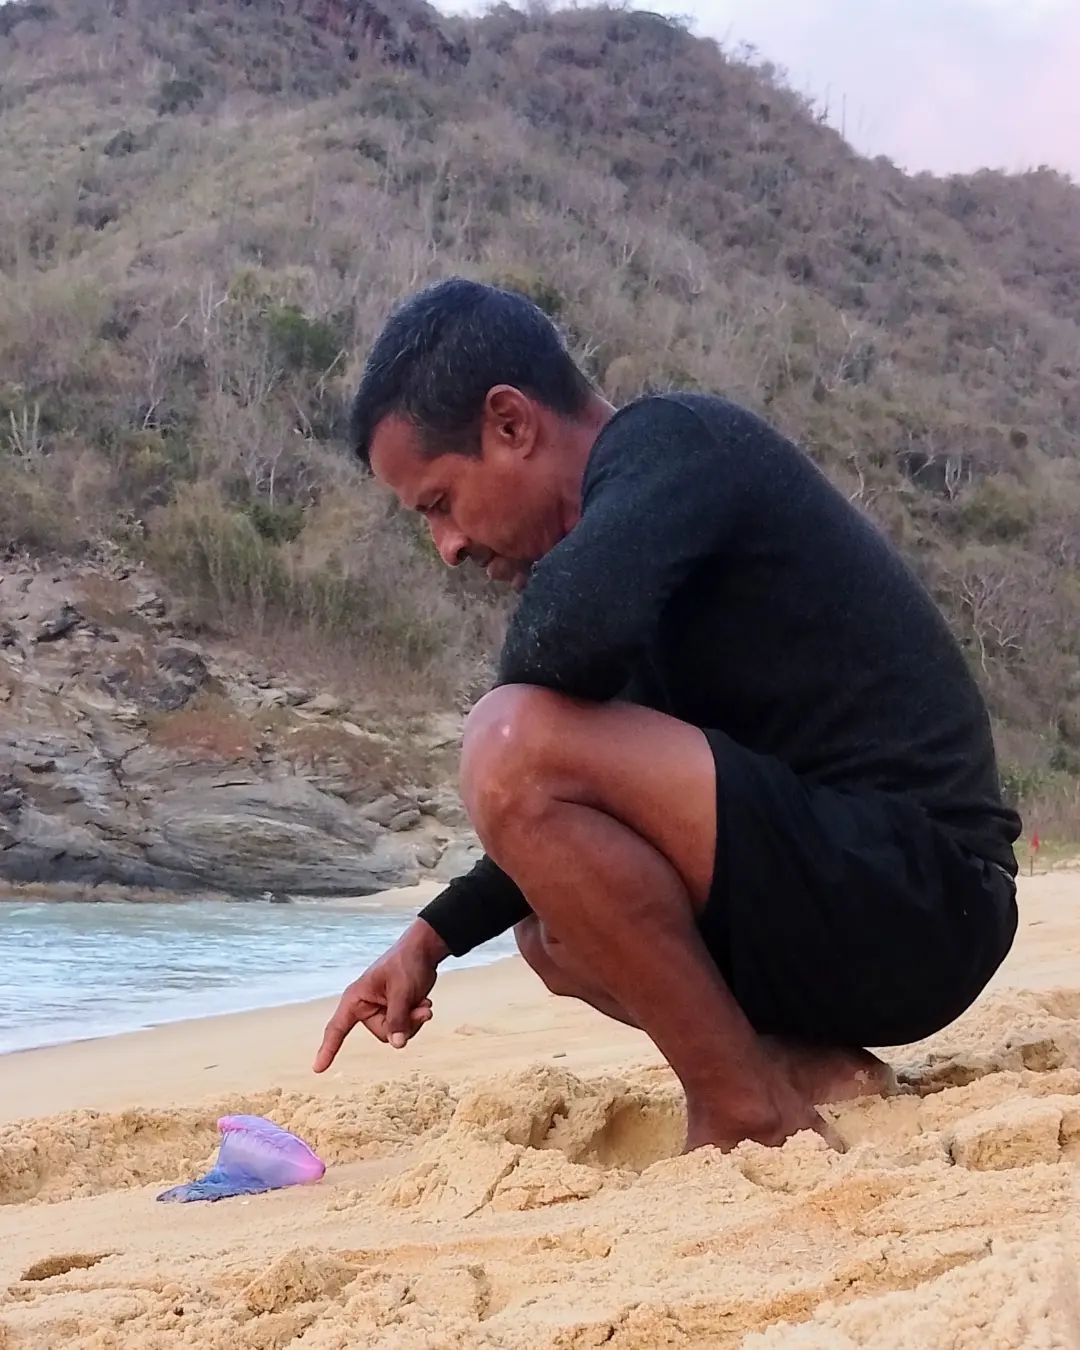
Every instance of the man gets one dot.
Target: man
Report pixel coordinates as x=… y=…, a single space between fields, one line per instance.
x=735 y=783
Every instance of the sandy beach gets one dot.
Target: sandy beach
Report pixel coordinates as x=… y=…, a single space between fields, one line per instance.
x=512 y=1180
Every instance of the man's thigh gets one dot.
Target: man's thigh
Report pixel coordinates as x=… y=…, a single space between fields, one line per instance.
x=653 y=773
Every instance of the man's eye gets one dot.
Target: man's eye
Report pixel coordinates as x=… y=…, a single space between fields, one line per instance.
x=437 y=507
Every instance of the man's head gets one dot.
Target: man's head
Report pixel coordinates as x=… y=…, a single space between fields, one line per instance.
x=472 y=412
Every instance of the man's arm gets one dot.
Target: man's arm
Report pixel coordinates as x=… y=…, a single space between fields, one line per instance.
x=660 y=494
x=475 y=908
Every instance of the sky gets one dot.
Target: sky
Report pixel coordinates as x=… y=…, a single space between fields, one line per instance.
x=943 y=85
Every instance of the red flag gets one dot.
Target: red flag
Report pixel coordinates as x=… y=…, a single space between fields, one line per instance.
x=1035 y=841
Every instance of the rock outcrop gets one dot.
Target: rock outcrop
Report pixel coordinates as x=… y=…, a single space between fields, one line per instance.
x=133 y=756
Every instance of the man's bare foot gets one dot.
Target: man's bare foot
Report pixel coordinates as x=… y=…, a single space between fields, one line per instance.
x=823 y=1074
x=724 y=1129
x=807 y=1076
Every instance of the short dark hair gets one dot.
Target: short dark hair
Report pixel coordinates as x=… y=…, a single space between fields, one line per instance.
x=445 y=347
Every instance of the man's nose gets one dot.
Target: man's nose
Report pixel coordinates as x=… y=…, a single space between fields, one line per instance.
x=452 y=546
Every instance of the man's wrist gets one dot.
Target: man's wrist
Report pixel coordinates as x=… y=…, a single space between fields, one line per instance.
x=425 y=940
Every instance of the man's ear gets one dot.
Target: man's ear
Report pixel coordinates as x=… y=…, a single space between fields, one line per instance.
x=511 y=419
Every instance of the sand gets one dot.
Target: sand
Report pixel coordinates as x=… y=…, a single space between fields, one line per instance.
x=512 y=1180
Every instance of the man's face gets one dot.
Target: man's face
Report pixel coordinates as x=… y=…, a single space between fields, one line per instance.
x=495 y=508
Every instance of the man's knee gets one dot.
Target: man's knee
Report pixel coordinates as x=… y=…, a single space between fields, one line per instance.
x=510 y=741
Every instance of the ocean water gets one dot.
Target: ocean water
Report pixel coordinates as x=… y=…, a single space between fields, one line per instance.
x=72 y=970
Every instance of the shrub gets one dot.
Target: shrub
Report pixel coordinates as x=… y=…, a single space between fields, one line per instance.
x=123 y=143
x=1020 y=783
x=367 y=147
x=23 y=11
x=210 y=728
x=179 y=96
x=279 y=523
x=32 y=513
x=299 y=343
x=997 y=511
x=215 y=555
x=1065 y=759
x=148 y=464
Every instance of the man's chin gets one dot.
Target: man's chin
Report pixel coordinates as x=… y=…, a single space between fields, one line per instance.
x=515 y=576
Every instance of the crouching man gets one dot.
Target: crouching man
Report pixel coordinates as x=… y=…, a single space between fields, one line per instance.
x=735 y=783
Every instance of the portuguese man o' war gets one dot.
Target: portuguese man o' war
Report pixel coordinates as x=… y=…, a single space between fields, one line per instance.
x=255 y=1155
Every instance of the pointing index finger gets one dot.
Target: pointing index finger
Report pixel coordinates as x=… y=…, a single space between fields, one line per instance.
x=348 y=1012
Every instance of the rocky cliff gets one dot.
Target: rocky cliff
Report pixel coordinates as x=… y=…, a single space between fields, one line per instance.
x=133 y=755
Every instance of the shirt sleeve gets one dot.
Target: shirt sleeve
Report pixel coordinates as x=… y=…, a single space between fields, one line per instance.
x=660 y=494
x=475 y=908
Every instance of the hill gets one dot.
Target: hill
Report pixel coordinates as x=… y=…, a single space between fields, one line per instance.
x=208 y=209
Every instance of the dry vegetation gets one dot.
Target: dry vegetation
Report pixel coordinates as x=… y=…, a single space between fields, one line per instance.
x=370 y=764
x=207 y=211
x=211 y=729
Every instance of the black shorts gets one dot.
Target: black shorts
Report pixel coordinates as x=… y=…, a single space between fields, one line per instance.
x=842 y=916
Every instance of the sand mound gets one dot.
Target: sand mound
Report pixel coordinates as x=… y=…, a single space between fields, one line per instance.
x=1025 y=1029
x=551 y=1210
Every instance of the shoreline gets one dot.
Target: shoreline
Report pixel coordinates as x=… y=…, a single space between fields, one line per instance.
x=212 y=1017
x=209 y=1002
x=72 y=893
x=207 y=1018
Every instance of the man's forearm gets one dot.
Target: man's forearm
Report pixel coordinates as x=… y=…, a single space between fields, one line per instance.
x=426 y=942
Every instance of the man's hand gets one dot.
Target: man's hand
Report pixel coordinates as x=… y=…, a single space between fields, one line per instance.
x=391 y=997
